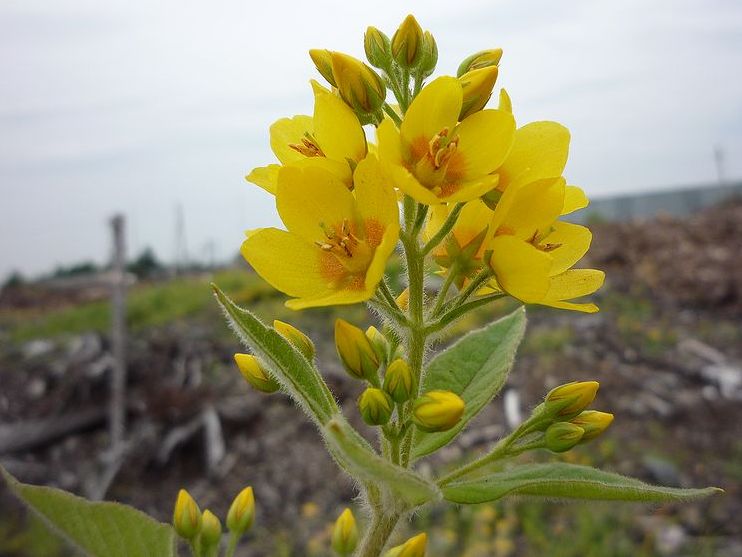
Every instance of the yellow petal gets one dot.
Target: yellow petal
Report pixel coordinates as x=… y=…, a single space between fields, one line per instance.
x=572 y=240
x=287 y=262
x=309 y=198
x=584 y=308
x=265 y=176
x=375 y=197
x=574 y=284
x=529 y=209
x=485 y=139
x=334 y=298
x=289 y=131
x=436 y=107
x=375 y=270
x=521 y=269
x=540 y=150
x=336 y=127
x=505 y=102
x=472 y=189
x=339 y=169
x=390 y=146
x=407 y=183
x=574 y=200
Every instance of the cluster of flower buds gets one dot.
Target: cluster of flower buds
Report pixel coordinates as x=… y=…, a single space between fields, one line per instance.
x=203 y=531
x=565 y=420
x=410 y=49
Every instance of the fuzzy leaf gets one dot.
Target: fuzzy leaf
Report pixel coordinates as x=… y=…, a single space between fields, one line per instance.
x=568 y=481
x=357 y=457
x=288 y=366
x=475 y=368
x=96 y=529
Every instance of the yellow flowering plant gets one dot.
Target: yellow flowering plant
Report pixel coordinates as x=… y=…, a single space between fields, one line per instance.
x=459 y=191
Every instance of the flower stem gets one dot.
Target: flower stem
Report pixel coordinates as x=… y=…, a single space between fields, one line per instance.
x=444 y=230
x=377 y=535
x=392 y=114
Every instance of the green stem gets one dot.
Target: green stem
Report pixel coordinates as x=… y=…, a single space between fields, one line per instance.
x=450 y=278
x=477 y=282
x=448 y=225
x=378 y=533
x=387 y=293
x=232 y=545
x=392 y=114
x=455 y=313
x=422 y=212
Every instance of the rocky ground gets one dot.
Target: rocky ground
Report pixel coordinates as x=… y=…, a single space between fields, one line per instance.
x=666 y=347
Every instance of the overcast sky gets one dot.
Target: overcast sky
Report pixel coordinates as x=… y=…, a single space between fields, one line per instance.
x=139 y=106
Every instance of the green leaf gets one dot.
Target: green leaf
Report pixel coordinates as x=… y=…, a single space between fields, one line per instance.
x=567 y=481
x=357 y=457
x=288 y=366
x=475 y=368
x=96 y=529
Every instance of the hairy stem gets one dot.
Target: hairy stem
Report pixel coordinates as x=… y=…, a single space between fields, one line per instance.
x=377 y=534
x=445 y=229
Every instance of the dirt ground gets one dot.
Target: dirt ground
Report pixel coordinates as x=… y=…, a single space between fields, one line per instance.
x=666 y=348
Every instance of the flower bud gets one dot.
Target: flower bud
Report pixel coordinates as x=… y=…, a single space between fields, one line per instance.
x=403 y=300
x=375 y=406
x=505 y=103
x=399 y=382
x=355 y=351
x=211 y=530
x=378 y=342
x=414 y=547
x=299 y=340
x=323 y=62
x=429 y=58
x=345 y=534
x=593 y=422
x=186 y=516
x=359 y=86
x=482 y=59
x=241 y=513
x=437 y=411
x=562 y=436
x=407 y=43
x=378 y=48
x=255 y=374
x=570 y=399
x=477 y=86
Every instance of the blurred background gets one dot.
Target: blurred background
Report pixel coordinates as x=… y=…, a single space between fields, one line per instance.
x=149 y=114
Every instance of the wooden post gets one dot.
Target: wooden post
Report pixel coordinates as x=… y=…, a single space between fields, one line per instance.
x=117 y=416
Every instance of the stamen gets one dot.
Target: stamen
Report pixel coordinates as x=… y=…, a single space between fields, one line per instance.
x=308 y=146
x=441 y=148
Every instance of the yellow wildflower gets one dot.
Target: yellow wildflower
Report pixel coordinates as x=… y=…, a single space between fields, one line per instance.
x=337 y=242
x=435 y=159
x=332 y=139
x=532 y=252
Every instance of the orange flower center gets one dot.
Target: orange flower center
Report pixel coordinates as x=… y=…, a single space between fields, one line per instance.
x=346 y=253
x=431 y=160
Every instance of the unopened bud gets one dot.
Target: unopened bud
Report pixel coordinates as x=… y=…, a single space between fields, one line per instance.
x=399 y=382
x=255 y=374
x=403 y=300
x=355 y=351
x=359 y=86
x=477 y=86
x=211 y=530
x=186 y=516
x=241 y=513
x=379 y=343
x=593 y=422
x=429 y=58
x=437 y=411
x=299 y=340
x=482 y=59
x=375 y=406
x=323 y=62
x=414 y=547
x=378 y=48
x=407 y=43
x=562 y=436
x=505 y=103
x=570 y=399
x=345 y=534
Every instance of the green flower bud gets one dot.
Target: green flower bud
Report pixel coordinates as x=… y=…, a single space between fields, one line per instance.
x=399 y=381
x=241 y=513
x=429 y=58
x=437 y=411
x=323 y=62
x=360 y=87
x=356 y=351
x=186 y=516
x=414 y=547
x=255 y=374
x=568 y=400
x=378 y=342
x=378 y=48
x=562 y=436
x=345 y=534
x=482 y=59
x=477 y=87
x=375 y=406
x=299 y=340
x=407 y=43
x=593 y=422
x=211 y=530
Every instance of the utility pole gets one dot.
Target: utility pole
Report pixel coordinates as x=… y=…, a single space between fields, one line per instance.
x=181 y=249
x=117 y=417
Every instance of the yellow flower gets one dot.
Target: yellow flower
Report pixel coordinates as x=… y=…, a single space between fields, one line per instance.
x=435 y=159
x=332 y=139
x=532 y=252
x=337 y=242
